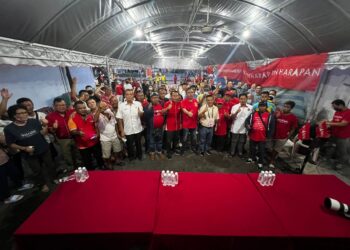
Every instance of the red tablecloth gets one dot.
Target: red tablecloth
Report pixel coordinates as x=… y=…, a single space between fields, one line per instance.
x=297 y=201
x=108 y=203
x=123 y=210
x=226 y=207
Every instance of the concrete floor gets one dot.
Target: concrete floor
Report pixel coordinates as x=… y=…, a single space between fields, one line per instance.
x=11 y=216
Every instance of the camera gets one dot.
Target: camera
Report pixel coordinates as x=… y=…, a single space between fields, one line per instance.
x=337 y=206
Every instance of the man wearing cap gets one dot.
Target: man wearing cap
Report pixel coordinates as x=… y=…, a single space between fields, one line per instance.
x=189 y=108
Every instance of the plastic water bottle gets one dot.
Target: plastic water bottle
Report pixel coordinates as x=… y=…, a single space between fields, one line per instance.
x=172 y=179
x=77 y=175
x=176 y=178
x=167 y=178
x=269 y=183
x=260 y=176
x=81 y=174
x=86 y=173
x=273 y=178
x=265 y=179
x=162 y=175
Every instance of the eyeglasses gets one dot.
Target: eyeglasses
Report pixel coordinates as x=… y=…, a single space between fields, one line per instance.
x=22 y=113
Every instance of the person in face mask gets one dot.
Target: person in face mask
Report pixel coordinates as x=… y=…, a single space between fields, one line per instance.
x=250 y=99
x=340 y=126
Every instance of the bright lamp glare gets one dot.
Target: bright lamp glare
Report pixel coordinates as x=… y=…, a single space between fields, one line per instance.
x=218 y=36
x=138 y=33
x=246 y=33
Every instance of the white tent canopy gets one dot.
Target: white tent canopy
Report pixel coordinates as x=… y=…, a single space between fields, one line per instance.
x=153 y=32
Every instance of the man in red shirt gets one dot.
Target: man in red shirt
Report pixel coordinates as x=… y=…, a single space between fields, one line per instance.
x=229 y=101
x=260 y=125
x=189 y=108
x=175 y=79
x=173 y=123
x=341 y=132
x=58 y=125
x=140 y=97
x=286 y=124
x=154 y=117
x=106 y=97
x=119 y=91
x=220 y=130
x=82 y=126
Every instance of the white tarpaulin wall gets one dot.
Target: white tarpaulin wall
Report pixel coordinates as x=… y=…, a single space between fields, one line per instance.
x=15 y=52
x=37 y=83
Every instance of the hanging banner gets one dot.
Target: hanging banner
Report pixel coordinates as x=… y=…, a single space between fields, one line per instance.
x=296 y=72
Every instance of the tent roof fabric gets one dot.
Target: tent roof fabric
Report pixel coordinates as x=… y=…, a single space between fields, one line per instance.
x=107 y=27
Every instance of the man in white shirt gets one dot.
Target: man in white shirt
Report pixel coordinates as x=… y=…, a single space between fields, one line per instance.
x=107 y=126
x=129 y=122
x=208 y=115
x=239 y=114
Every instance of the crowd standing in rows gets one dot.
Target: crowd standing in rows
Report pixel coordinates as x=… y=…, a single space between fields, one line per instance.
x=102 y=126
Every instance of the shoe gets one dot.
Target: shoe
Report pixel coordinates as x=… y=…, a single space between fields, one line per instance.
x=13 y=199
x=240 y=155
x=177 y=152
x=260 y=166
x=271 y=165
x=202 y=153
x=194 y=151
x=169 y=156
x=45 y=189
x=208 y=153
x=161 y=156
x=152 y=156
x=120 y=164
x=26 y=187
x=249 y=160
x=338 y=167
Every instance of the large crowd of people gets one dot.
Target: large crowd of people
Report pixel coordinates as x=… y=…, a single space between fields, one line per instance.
x=107 y=125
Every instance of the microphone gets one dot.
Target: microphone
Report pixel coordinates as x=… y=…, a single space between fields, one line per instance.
x=337 y=206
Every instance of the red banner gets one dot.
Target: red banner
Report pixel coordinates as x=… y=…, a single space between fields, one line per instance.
x=295 y=72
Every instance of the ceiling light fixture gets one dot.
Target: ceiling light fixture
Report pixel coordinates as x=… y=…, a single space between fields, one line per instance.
x=138 y=33
x=246 y=33
x=218 y=36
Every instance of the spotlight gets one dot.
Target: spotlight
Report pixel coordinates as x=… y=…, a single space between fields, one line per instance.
x=138 y=33
x=246 y=33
